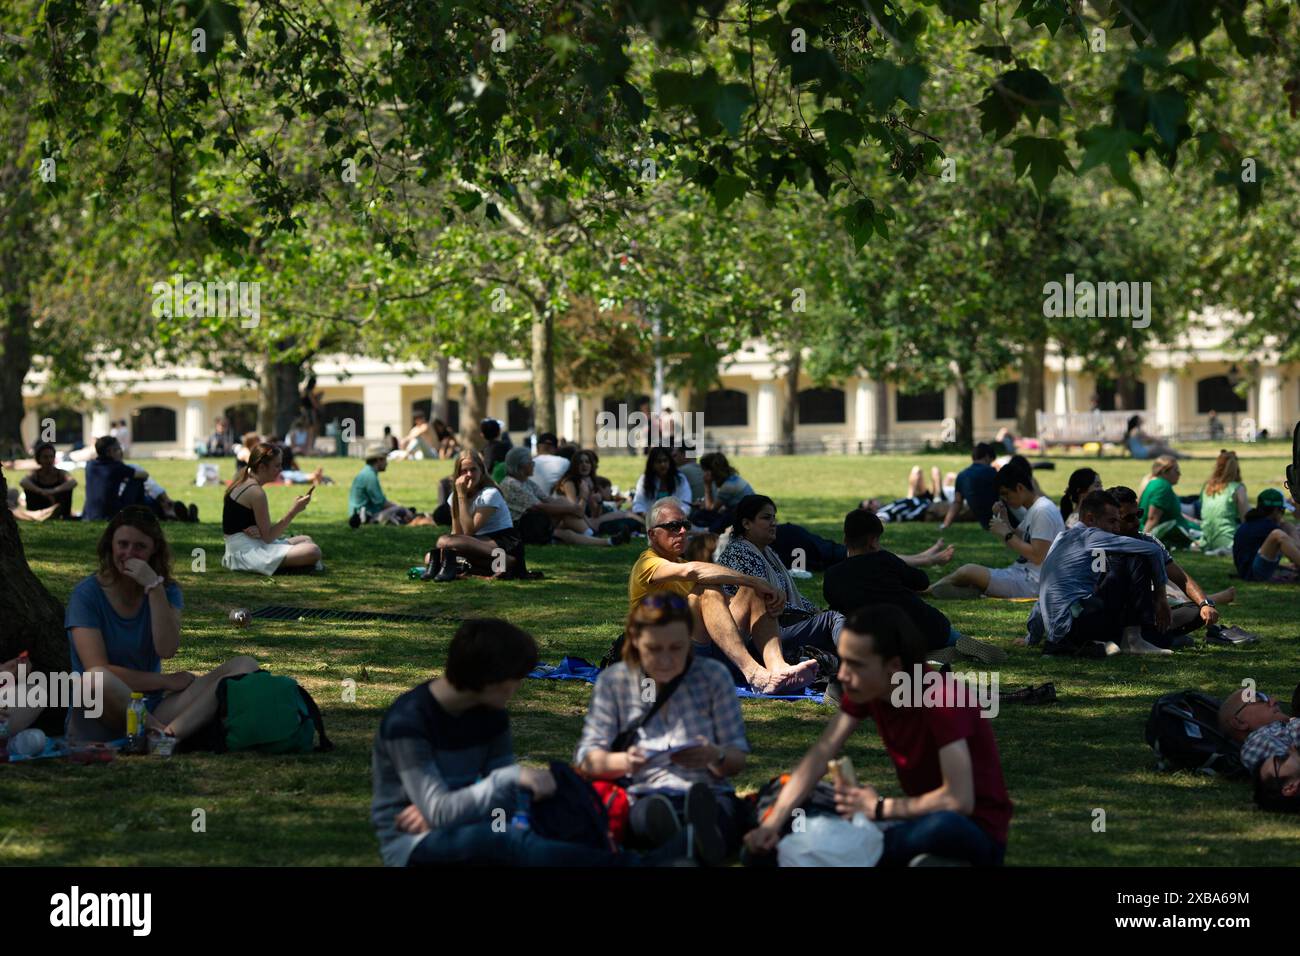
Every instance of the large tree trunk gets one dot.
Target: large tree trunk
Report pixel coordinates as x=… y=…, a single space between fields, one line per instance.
x=965 y=436
x=15 y=360
x=476 y=401
x=1032 y=394
x=33 y=618
x=543 y=370
x=442 y=389
x=277 y=399
x=790 y=412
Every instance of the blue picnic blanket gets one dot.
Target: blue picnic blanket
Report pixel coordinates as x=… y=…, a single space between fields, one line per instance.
x=577 y=668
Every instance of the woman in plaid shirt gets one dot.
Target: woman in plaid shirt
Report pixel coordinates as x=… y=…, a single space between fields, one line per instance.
x=678 y=764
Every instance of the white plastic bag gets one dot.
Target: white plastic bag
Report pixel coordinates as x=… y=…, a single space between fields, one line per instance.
x=832 y=841
x=207 y=475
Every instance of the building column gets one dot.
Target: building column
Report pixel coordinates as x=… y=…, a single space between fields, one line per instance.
x=1167 y=404
x=196 y=414
x=383 y=404
x=99 y=425
x=867 y=414
x=570 y=423
x=1272 y=411
x=769 y=421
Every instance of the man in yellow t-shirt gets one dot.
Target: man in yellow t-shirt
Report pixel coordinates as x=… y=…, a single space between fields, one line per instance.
x=740 y=631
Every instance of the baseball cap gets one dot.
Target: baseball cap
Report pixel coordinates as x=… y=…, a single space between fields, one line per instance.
x=1270 y=498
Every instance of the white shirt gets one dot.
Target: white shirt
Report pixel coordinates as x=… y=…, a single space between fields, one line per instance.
x=1043 y=522
x=547 y=472
x=641 y=503
x=488 y=497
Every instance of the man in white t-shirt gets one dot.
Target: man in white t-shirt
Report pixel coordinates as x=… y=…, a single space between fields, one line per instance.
x=1030 y=542
x=548 y=467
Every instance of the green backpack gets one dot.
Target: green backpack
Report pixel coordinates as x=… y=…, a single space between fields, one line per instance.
x=268 y=713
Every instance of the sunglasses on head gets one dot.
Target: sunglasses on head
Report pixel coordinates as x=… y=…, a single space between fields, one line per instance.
x=673 y=527
x=659 y=602
x=1260 y=698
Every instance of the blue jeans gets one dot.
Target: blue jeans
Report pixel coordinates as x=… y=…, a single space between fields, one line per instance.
x=477 y=843
x=945 y=834
x=1261 y=568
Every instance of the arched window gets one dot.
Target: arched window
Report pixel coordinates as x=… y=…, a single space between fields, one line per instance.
x=821 y=406
x=1216 y=393
x=342 y=412
x=153 y=423
x=726 y=408
x=68 y=427
x=1106 y=392
x=920 y=407
x=1005 y=400
x=242 y=419
x=519 y=415
x=425 y=407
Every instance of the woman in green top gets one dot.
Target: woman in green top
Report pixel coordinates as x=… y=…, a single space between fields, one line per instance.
x=1223 y=504
x=1162 y=512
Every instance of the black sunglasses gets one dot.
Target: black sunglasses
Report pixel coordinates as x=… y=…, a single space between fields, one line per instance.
x=672 y=527
x=658 y=602
x=1260 y=698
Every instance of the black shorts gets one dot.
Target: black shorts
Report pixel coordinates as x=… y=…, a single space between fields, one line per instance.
x=534 y=527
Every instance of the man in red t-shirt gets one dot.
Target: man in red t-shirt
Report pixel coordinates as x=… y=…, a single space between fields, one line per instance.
x=956 y=805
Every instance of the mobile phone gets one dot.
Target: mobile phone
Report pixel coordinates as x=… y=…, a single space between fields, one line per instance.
x=842 y=771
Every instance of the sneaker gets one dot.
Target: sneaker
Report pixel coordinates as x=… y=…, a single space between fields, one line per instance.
x=983 y=652
x=942 y=655
x=933 y=859
x=661 y=823
x=702 y=825
x=834 y=692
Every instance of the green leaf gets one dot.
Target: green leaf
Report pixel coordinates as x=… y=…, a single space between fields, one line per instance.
x=674 y=87
x=1167 y=110
x=727 y=189
x=1000 y=53
x=1041 y=157
x=1110 y=146
x=840 y=127
x=730 y=104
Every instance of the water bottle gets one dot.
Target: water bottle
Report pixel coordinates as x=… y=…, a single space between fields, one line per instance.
x=523 y=818
x=136 y=742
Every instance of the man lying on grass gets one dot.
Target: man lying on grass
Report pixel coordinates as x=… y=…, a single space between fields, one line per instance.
x=445 y=776
x=742 y=628
x=946 y=758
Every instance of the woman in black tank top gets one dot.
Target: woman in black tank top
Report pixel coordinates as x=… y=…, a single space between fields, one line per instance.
x=253 y=542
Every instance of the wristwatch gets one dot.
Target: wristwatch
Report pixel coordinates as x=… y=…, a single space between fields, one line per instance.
x=1207 y=602
x=1009 y=535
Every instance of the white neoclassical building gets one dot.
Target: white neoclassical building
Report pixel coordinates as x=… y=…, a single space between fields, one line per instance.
x=171 y=411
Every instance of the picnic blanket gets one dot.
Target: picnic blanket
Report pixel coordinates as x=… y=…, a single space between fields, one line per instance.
x=577 y=668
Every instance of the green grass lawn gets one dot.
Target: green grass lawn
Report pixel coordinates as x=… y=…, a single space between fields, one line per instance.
x=1061 y=761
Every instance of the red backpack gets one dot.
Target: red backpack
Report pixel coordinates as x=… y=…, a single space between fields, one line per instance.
x=616 y=804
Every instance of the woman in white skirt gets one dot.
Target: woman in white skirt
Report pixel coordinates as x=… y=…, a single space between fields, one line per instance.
x=252 y=542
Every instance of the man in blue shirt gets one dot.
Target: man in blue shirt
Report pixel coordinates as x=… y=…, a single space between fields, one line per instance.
x=1264 y=537
x=1096 y=585
x=105 y=493
x=975 y=487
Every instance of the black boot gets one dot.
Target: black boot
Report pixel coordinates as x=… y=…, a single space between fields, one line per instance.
x=447 y=557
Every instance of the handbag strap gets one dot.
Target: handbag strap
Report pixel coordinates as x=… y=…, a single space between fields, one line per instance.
x=625 y=737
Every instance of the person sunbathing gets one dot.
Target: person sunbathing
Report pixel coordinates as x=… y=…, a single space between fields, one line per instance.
x=946 y=757
x=742 y=629
x=1029 y=541
x=1245 y=711
x=445 y=776
x=692 y=712
x=122 y=623
x=749 y=551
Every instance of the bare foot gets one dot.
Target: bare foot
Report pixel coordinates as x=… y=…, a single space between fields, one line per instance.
x=1226 y=596
x=796 y=677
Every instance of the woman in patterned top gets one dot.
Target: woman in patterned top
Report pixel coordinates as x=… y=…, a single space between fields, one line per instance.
x=668 y=721
x=749 y=550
